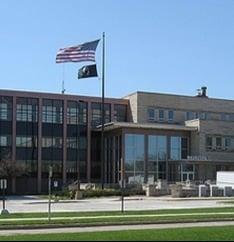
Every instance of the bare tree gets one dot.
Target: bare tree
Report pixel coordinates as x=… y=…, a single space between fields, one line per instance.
x=10 y=169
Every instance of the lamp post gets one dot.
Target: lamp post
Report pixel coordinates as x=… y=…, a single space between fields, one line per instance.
x=3 y=186
x=49 y=190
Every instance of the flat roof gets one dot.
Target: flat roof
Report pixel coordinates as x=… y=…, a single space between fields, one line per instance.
x=117 y=125
x=175 y=95
x=61 y=96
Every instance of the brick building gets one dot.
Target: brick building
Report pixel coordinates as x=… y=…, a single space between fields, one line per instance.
x=159 y=136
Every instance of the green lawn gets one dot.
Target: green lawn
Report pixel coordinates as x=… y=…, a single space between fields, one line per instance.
x=106 y=213
x=180 y=234
x=130 y=217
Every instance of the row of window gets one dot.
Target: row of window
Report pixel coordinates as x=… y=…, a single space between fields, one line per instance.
x=157 y=150
x=157 y=155
x=52 y=111
x=160 y=115
x=71 y=166
x=163 y=115
x=47 y=142
x=219 y=143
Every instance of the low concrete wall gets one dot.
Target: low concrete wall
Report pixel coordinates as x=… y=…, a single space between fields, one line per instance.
x=152 y=190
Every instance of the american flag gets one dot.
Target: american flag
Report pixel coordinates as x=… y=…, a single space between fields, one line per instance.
x=83 y=52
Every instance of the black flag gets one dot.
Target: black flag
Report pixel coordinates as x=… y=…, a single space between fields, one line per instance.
x=87 y=71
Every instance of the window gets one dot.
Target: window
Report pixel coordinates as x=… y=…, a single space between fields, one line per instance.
x=55 y=142
x=97 y=113
x=157 y=147
x=209 y=143
x=161 y=115
x=227 y=143
x=231 y=117
x=151 y=114
x=52 y=111
x=5 y=140
x=6 y=108
x=26 y=141
x=26 y=109
x=218 y=143
x=120 y=113
x=73 y=142
x=203 y=116
x=224 y=116
x=3 y=111
x=134 y=158
x=192 y=115
x=184 y=148
x=170 y=115
x=175 y=153
x=189 y=115
x=75 y=109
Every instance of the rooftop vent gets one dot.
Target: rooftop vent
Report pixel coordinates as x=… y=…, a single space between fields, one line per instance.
x=202 y=92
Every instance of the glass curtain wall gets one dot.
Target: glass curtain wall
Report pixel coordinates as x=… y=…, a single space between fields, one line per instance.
x=27 y=143
x=178 y=152
x=134 y=158
x=97 y=113
x=52 y=140
x=76 y=140
x=120 y=113
x=5 y=127
x=157 y=156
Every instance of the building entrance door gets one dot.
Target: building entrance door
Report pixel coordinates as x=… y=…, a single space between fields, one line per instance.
x=187 y=172
x=188 y=176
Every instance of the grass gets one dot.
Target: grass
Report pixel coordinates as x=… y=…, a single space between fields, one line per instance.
x=225 y=233
x=115 y=217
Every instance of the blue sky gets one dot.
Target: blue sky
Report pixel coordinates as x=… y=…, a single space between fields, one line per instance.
x=171 y=46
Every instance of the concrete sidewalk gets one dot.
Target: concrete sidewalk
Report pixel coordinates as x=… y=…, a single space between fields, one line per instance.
x=33 y=204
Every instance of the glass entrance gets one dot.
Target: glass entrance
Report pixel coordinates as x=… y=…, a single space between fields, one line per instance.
x=187 y=172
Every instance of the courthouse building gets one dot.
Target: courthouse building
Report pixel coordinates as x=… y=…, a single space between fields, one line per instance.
x=158 y=136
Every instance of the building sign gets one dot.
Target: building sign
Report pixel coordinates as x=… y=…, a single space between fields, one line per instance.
x=197 y=158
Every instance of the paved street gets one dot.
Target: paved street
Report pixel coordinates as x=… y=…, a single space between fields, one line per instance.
x=33 y=204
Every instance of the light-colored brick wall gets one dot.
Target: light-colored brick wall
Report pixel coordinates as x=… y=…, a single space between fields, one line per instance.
x=141 y=101
x=210 y=127
x=222 y=128
x=133 y=107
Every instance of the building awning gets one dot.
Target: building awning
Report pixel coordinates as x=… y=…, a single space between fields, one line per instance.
x=158 y=126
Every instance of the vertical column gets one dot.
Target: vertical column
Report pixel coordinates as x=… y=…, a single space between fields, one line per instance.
x=64 y=141
x=122 y=158
x=113 y=148
x=113 y=160
x=14 y=140
x=167 y=158
x=39 y=155
x=112 y=112
x=89 y=120
x=146 y=158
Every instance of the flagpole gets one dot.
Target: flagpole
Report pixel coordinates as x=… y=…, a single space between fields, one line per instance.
x=103 y=112
x=63 y=77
